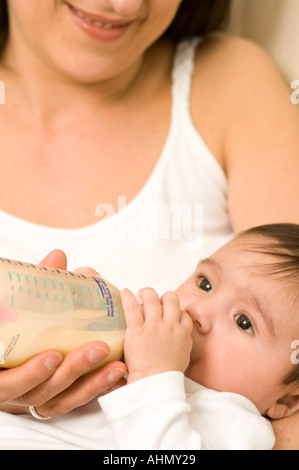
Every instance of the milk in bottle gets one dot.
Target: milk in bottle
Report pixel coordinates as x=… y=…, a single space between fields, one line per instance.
x=42 y=308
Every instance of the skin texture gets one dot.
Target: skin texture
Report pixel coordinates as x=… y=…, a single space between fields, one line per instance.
x=71 y=93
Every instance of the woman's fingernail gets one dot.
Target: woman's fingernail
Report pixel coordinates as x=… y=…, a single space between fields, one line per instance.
x=114 y=375
x=53 y=361
x=97 y=354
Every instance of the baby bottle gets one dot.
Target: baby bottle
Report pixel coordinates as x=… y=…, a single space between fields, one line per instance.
x=42 y=308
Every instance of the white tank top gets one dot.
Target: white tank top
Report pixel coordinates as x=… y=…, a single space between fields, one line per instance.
x=179 y=217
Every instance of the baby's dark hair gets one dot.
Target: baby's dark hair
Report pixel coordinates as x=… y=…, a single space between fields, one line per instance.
x=284 y=246
x=282 y=243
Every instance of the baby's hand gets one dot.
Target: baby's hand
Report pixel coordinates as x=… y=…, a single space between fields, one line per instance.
x=158 y=337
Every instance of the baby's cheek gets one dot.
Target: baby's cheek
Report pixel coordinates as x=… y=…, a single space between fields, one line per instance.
x=212 y=365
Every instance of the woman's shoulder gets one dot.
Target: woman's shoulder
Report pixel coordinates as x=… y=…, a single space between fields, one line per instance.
x=233 y=58
x=231 y=75
x=232 y=64
x=233 y=70
x=233 y=50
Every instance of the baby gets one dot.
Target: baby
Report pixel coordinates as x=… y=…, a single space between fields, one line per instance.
x=210 y=363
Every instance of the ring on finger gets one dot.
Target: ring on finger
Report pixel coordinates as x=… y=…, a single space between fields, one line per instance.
x=36 y=415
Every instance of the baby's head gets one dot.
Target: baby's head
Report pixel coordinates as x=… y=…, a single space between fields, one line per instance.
x=244 y=302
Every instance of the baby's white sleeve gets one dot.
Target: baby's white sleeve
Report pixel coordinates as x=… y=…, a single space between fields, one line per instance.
x=151 y=414
x=170 y=412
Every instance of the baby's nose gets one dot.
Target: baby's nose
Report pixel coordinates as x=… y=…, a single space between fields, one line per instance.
x=201 y=317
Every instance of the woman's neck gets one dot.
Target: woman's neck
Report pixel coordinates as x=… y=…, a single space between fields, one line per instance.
x=46 y=94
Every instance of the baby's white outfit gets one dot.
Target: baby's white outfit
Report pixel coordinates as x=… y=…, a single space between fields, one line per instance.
x=162 y=412
x=170 y=411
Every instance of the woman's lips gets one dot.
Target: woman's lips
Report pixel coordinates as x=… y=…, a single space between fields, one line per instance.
x=97 y=26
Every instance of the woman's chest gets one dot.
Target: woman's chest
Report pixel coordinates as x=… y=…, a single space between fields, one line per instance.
x=59 y=178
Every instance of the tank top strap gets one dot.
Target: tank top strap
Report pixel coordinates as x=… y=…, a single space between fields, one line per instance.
x=182 y=72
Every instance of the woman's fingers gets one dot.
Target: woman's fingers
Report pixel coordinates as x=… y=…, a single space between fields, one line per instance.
x=19 y=380
x=56 y=387
x=87 y=271
x=77 y=363
x=85 y=389
x=55 y=259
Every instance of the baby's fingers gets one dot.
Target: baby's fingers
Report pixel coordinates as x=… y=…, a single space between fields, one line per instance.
x=187 y=322
x=133 y=311
x=171 y=307
x=152 y=306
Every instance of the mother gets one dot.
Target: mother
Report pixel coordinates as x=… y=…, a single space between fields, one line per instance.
x=107 y=113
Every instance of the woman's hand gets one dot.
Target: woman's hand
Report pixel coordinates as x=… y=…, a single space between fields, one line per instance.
x=56 y=385
x=158 y=337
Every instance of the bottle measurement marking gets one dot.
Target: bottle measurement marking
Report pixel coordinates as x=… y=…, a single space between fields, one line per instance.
x=42 y=282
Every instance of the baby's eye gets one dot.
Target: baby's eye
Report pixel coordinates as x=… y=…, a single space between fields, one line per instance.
x=244 y=323
x=204 y=284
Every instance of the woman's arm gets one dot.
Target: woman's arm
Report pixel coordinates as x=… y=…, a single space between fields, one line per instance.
x=252 y=126
x=287 y=433
x=263 y=149
x=55 y=384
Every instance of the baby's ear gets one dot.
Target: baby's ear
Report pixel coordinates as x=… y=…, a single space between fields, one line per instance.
x=285 y=406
